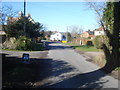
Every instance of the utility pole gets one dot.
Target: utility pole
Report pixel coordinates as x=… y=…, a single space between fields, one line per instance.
x=67 y=34
x=24 y=7
x=25 y=55
x=24 y=18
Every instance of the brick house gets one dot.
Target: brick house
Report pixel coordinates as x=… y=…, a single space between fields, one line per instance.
x=14 y=19
x=87 y=34
x=85 y=37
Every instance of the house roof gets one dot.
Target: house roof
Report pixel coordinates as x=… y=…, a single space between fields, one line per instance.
x=90 y=32
x=99 y=29
x=12 y=19
x=62 y=33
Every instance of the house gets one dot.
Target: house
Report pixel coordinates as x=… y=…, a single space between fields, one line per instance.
x=14 y=19
x=85 y=37
x=2 y=32
x=88 y=34
x=2 y=38
x=57 y=36
x=99 y=31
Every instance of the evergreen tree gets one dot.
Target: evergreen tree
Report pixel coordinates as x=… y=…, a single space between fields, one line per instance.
x=111 y=20
x=16 y=29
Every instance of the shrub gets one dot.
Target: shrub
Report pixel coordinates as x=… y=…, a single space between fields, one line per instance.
x=89 y=43
x=23 y=43
x=98 y=42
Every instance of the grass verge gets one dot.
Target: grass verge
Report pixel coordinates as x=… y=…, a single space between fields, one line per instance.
x=86 y=48
x=83 y=48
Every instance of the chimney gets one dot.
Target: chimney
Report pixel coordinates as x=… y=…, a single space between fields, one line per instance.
x=29 y=15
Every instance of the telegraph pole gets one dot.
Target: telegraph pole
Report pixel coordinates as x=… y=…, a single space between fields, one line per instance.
x=24 y=18
x=25 y=55
x=67 y=34
x=24 y=7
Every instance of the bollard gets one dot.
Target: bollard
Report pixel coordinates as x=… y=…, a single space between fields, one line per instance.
x=44 y=44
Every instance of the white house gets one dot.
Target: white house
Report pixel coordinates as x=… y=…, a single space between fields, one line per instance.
x=2 y=32
x=99 y=31
x=57 y=37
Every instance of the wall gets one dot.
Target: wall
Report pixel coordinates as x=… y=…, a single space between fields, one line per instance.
x=85 y=35
x=99 y=33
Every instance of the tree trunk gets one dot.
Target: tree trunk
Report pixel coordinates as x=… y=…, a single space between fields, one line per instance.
x=113 y=56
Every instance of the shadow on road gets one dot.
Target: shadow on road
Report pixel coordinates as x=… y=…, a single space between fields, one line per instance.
x=65 y=76
x=47 y=73
x=86 y=80
x=52 y=47
x=16 y=74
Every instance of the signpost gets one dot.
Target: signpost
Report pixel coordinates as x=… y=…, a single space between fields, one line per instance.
x=26 y=58
x=25 y=55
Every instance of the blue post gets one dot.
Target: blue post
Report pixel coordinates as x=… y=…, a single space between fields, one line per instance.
x=26 y=58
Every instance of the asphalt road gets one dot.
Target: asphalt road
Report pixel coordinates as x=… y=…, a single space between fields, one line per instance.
x=71 y=70
x=62 y=67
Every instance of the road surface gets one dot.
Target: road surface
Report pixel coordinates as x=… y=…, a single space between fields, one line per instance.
x=71 y=70
x=62 y=67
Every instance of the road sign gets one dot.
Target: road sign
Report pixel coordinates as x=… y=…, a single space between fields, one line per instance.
x=26 y=58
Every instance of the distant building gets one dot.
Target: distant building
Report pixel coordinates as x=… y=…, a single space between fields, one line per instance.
x=87 y=34
x=2 y=32
x=14 y=19
x=99 y=31
x=30 y=18
x=57 y=36
x=85 y=37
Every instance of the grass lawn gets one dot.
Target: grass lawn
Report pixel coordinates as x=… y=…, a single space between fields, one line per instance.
x=83 y=48
x=71 y=44
x=86 y=48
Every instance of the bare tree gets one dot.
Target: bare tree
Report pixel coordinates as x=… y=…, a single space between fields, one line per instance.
x=76 y=30
x=98 y=7
x=111 y=25
x=5 y=12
